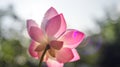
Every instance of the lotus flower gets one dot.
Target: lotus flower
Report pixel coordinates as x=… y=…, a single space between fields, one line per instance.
x=53 y=33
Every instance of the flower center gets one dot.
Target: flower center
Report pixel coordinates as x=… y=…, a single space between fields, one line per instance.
x=51 y=51
x=48 y=46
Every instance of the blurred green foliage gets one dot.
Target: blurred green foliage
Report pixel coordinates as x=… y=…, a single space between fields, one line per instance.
x=13 y=47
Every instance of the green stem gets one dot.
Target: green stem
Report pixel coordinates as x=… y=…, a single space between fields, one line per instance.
x=41 y=59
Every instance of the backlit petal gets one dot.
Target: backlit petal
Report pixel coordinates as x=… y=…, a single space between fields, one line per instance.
x=56 y=44
x=64 y=55
x=72 y=38
x=35 y=52
x=55 y=26
x=32 y=51
x=51 y=12
x=31 y=23
x=76 y=55
x=36 y=34
x=54 y=63
x=40 y=48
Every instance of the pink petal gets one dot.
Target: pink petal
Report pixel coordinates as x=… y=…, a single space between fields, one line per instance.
x=76 y=55
x=36 y=34
x=55 y=26
x=31 y=23
x=54 y=63
x=40 y=48
x=64 y=55
x=56 y=44
x=51 y=12
x=72 y=38
x=32 y=52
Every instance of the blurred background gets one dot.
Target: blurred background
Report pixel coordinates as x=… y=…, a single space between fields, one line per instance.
x=98 y=19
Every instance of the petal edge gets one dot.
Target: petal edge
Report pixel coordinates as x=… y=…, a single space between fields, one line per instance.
x=56 y=26
x=36 y=34
x=31 y=49
x=76 y=55
x=54 y=63
x=72 y=38
x=50 y=13
x=64 y=55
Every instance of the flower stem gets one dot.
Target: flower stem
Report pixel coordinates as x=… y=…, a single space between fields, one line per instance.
x=41 y=59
